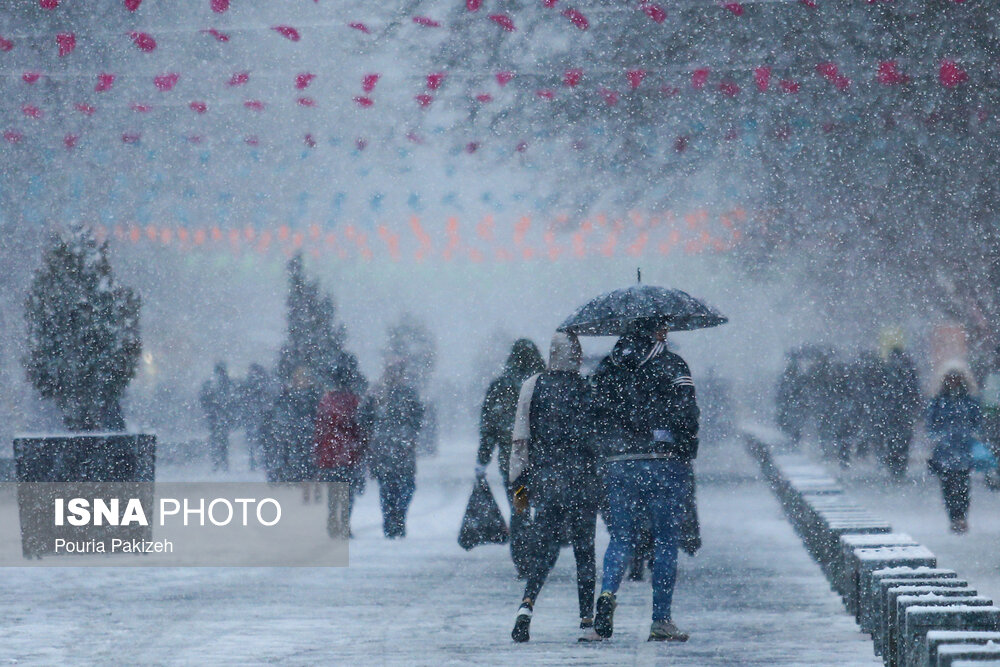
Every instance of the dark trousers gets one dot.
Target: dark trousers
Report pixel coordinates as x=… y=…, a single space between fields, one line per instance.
x=395 y=491
x=560 y=500
x=956 y=492
x=897 y=450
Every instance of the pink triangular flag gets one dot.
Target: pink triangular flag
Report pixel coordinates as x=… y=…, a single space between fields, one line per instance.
x=132 y=5
x=219 y=36
x=635 y=77
x=31 y=77
x=303 y=80
x=368 y=83
x=143 y=40
x=220 y=6
x=655 y=12
x=426 y=21
x=166 y=82
x=66 y=41
x=576 y=18
x=198 y=107
x=572 y=77
x=504 y=21
x=288 y=32
x=238 y=79
x=435 y=80
x=762 y=77
x=503 y=78
x=359 y=26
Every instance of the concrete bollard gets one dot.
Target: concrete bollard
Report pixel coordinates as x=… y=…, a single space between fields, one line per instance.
x=900 y=601
x=882 y=607
x=939 y=638
x=952 y=654
x=869 y=560
x=830 y=555
x=850 y=547
x=911 y=645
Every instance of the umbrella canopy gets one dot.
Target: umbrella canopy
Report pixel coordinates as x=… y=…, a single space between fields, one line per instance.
x=641 y=307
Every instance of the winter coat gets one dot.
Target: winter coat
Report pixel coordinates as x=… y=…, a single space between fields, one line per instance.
x=644 y=402
x=390 y=418
x=901 y=397
x=500 y=405
x=293 y=427
x=952 y=421
x=552 y=426
x=337 y=440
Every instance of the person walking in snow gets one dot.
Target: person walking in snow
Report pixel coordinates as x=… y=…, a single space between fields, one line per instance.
x=953 y=418
x=257 y=394
x=391 y=418
x=899 y=409
x=496 y=424
x=339 y=449
x=217 y=402
x=293 y=424
x=647 y=421
x=553 y=468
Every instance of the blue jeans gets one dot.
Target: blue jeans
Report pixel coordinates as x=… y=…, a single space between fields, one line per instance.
x=645 y=490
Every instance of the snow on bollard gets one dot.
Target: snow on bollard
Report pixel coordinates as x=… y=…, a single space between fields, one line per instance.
x=871 y=559
x=911 y=646
x=830 y=553
x=900 y=601
x=849 y=560
x=939 y=638
x=952 y=654
x=880 y=601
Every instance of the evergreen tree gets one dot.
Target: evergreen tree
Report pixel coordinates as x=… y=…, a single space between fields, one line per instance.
x=83 y=332
x=314 y=340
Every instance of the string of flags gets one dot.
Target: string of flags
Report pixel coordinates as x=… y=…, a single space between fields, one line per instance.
x=635 y=235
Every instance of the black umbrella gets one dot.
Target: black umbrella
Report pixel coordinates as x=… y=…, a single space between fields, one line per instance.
x=641 y=307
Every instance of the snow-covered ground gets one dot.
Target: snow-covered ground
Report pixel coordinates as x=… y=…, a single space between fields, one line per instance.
x=916 y=507
x=751 y=597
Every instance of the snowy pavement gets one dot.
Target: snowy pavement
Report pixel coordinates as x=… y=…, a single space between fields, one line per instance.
x=751 y=597
x=916 y=507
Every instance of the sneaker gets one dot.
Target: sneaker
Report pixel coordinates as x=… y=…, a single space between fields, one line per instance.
x=666 y=631
x=586 y=623
x=604 y=620
x=959 y=526
x=522 y=621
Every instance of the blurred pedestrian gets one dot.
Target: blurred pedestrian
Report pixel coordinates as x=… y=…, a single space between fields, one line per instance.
x=391 y=418
x=897 y=411
x=953 y=418
x=257 y=396
x=496 y=424
x=553 y=468
x=293 y=428
x=647 y=420
x=217 y=400
x=339 y=449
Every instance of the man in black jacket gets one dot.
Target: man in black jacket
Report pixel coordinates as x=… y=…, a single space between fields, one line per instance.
x=552 y=466
x=495 y=424
x=647 y=420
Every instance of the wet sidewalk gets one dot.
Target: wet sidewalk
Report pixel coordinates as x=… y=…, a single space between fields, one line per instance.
x=751 y=597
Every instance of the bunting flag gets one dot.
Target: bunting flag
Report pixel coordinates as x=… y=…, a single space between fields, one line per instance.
x=600 y=236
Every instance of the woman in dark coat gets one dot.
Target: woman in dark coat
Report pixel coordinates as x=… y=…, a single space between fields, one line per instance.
x=293 y=427
x=391 y=418
x=953 y=418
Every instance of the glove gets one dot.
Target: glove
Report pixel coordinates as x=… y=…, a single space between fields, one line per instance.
x=521 y=500
x=480 y=470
